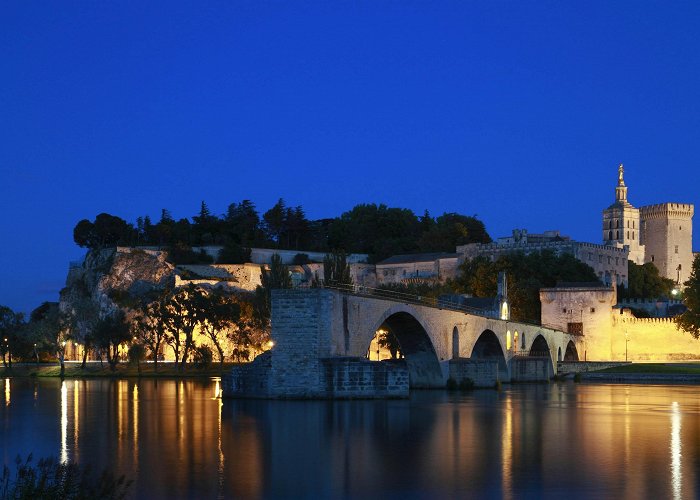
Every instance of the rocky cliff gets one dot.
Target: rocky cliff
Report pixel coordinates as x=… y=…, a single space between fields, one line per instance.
x=121 y=269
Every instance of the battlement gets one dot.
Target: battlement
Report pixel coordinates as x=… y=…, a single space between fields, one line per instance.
x=665 y=210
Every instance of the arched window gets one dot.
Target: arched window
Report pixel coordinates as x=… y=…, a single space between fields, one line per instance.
x=610 y=234
x=617 y=235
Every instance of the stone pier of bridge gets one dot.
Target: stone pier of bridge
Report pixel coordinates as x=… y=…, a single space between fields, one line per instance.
x=322 y=336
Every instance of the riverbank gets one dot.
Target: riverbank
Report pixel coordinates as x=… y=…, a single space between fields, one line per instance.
x=123 y=370
x=650 y=373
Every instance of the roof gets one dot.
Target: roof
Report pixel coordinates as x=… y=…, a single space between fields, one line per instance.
x=417 y=257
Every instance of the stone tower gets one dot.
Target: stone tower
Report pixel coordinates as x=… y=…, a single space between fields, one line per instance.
x=621 y=222
x=667 y=234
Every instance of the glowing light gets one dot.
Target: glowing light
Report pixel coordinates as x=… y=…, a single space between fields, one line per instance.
x=271 y=344
x=676 y=455
x=217 y=388
x=7 y=392
x=508 y=342
x=63 y=456
x=504 y=310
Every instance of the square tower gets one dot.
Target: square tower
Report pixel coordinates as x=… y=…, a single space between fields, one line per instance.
x=667 y=234
x=621 y=222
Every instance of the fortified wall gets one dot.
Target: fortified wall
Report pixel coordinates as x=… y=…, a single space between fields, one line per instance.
x=611 y=333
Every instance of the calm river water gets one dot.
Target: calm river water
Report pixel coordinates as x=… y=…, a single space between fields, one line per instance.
x=176 y=439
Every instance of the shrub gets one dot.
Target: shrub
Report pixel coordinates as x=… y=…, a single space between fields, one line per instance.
x=577 y=377
x=202 y=356
x=137 y=353
x=300 y=259
x=49 y=479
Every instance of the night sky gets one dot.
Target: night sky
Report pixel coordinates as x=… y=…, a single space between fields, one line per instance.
x=517 y=112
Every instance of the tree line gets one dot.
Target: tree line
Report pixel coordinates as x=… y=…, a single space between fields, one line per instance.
x=377 y=230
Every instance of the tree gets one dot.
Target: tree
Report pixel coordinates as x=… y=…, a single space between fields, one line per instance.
x=689 y=320
x=149 y=324
x=388 y=340
x=242 y=223
x=49 y=330
x=274 y=221
x=277 y=276
x=233 y=253
x=183 y=315
x=80 y=322
x=218 y=312
x=110 y=333
x=336 y=270
x=526 y=274
x=10 y=325
x=137 y=353
x=644 y=282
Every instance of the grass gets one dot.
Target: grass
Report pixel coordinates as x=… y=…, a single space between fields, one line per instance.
x=660 y=368
x=124 y=370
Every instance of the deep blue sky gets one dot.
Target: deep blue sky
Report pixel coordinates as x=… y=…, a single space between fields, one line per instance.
x=517 y=112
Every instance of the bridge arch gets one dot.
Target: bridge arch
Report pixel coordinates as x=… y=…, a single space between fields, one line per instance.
x=571 y=353
x=540 y=348
x=417 y=347
x=487 y=346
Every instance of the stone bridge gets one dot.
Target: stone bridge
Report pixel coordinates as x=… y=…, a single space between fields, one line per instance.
x=311 y=325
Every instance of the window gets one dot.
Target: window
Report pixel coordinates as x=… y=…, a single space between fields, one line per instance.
x=609 y=235
x=564 y=310
x=628 y=235
x=632 y=235
x=617 y=261
x=609 y=259
x=592 y=309
x=600 y=259
x=632 y=224
x=590 y=256
x=628 y=223
x=676 y=249
x=617 y=235
x=652 y=258
x=617 y=223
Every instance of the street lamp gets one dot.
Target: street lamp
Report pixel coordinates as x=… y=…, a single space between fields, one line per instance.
x=626 y=342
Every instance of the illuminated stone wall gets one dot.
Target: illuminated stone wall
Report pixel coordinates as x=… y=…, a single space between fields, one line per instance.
x=667 y=232
x=609 y=330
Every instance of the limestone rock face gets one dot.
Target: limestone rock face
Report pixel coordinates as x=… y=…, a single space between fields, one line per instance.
x=120 y=269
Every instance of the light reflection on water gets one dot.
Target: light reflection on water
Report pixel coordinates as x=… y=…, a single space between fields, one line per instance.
x=176 y=440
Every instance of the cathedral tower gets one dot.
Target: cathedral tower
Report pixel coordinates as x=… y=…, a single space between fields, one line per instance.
x=621 y=223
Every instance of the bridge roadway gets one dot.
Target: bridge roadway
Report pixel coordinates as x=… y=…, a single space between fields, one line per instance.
x=342 y=322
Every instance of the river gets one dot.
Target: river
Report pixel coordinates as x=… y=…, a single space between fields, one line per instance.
x=177 y=439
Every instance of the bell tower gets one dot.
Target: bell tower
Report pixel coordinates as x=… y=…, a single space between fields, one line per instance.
x=621 y=222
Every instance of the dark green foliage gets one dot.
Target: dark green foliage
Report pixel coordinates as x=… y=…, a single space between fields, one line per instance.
x=377 y=230
x=182 y=254
x=526 y=275
x=111 y=332
x=107 y=231
x=275 y=277
x=388 y=340
x=451 y=230
x=422 y=289
x=301 y=259
x=336 y=270
x=137 y=353
x=50 y=480
x=233 y=253
x=644 y=282
x=577 y=377
x=202 y=357
x=451 y=384
x=12 y=329
x=689 y=321
x=381 y=231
